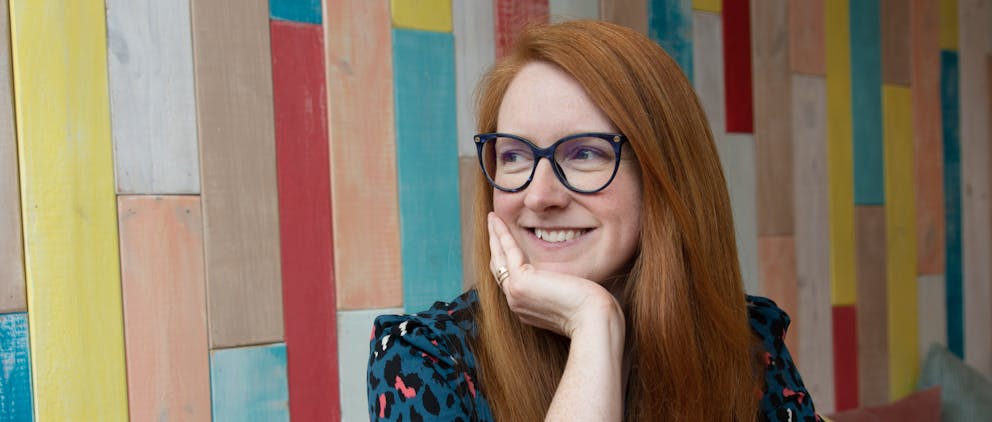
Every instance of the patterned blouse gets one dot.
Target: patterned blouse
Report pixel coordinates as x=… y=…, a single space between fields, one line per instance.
x=421 y=367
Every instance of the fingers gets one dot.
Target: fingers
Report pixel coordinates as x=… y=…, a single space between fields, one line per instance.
x=513 y=256
x=496 y=256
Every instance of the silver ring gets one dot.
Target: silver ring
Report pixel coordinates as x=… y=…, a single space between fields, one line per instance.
x=501 y=275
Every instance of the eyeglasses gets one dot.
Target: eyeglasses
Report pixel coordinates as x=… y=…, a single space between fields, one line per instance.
x=583 y=162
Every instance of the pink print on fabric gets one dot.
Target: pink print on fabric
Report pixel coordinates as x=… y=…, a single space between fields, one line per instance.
x=407 y=392
x=786 y=392
x=382 y=405
x=471 y=385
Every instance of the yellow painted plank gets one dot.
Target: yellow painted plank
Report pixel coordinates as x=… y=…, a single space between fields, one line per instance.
x=69 y=209
x=840 y=155
x=426 y=15
x=948 y=24
x=900 y=216
x=714 y=6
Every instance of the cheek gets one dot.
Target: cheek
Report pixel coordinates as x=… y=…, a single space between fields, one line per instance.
x=503 y=205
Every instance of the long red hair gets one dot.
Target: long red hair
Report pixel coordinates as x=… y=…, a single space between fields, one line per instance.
x=688 y=338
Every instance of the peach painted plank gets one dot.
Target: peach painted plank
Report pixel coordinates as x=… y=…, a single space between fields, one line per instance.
x=153 y=112
x=629 y=13
x=873 y=347
x=165 y=311
x=812 y=238
x=895 y=42
x=562 y=10
x=468 y=174
x=772 y=124
x=360 y=78
x=237 y=154
x=354 y=328
x=929 y=172
x=737 y=158
x=840 y=157
x=948 y=24
x=806 y=37
x=425 y=15
x=900 y=215
x=975 y=40
x=69 y=210
x=475 y=51
x=512 y=16
x=932 y=310
x=777 y=265
x=12 y=298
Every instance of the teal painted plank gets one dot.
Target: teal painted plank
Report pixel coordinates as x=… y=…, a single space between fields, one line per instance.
x=427 y=166
x=249 y=384
x=303 y=11
x=950 y=119
x=15 y=369
x=670 y=25
x=866 y=102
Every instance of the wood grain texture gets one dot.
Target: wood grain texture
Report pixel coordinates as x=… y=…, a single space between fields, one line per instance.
x=772 y=122
x=237 y=155
x=707 y=78
x=866 y=103
x=427 y=166
x=951 y=127
x=737 y=66
x=873 y=326
x=302 y=11
x=806 y=37
x=929 y=177
x=896 y=42
x=948 y=24
x=713 y=6
x=153 y=112
x=12 y=298
x=249 y=384
x=812 y=238
x=353 y=339
x=562 y=10
x=670 y=25
x=629 y=13
x=308 y=285
x=425 y=15
x=69 y=210
x=165 y=311
x=363 y=176
x=840 y=155
x=846 y=363
x=468 y=174
x=932 y=312
x=900 y=216
x=777 y=270
x=513 y=15
x=737 y=158
x=975 y=43
x=15 y=378
x=475 y=52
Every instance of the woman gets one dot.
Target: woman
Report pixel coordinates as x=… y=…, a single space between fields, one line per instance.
x=613 y=289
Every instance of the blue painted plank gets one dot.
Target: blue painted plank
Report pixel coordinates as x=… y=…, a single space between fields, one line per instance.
x=950 y=120
x=15 y=369
x=303 y=11
x=670 y=25
x=427 y=166
x=866 y=102
x=249 y=384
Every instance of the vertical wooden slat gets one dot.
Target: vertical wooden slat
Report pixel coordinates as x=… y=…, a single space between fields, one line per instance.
x=468 y=171
x=308 y=291
x=846 y=363
x=777 y=270
x=929 y=177
x=872 y=346
x=707 y=78
x=896 y=42
x=425 y=15
x=475 y=51
x=353 y=344
x=165 y=311
x=737 y=65
x=932 y=309
x=772 y=130
x=866 y=103
x=950 y=127
x=153 y=113
x=363 y=150
x=713 y=6
x=900 y=216
x=249 y=384
x=561 y=10
x=68 y=209
x=812 y=237
x=15 y=378
x=303 y=11
x=948 y=24
x=737 y=157
x=670 y=25
x=427 y=166
x=806 y=37
x=512 y=16
x=237 y=155
x=12 y=297
x=629 y=13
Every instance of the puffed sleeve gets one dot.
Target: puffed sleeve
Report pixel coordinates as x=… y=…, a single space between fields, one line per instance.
x=785 y=397
x=414 y=372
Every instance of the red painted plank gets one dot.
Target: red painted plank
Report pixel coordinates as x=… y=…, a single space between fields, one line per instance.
x=514 y=15
x=845 y=330
x=737 y=65
x=299 y=100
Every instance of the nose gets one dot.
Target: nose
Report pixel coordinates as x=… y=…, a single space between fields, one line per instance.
x=545 y=191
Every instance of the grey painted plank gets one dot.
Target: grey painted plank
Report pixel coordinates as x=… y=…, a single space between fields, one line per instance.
x=12 y=297
x=931 y=292
x=707 y=75
x=629 y=13
x=737 y=157
x=562 y=10
x=475 y=51
x=353 y=351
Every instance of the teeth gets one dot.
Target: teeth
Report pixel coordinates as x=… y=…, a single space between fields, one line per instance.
x=557 y=236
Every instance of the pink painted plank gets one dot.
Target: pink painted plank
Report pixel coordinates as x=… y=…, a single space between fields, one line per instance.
x=777 y=260
x=514 y=15
x=896 y=54
x=165 y=314
x=927 y=136
x=363 y=153
x=873 y=346
x=629 y=13
x=807 y=52
x=12 y=298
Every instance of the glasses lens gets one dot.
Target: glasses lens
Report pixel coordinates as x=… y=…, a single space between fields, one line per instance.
x=508 y=162
x=588 y=163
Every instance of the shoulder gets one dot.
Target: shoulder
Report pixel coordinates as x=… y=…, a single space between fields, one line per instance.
x=767 y=320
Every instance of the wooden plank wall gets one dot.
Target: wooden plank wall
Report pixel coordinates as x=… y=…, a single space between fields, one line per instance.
x=12 y=295
x=15 y=379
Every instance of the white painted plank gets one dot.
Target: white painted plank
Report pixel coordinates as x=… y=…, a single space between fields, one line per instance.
x=932 y=312
x=707 y=72
x=737 y=157
x=353 y=359
x=563 y=10
x=475 y=51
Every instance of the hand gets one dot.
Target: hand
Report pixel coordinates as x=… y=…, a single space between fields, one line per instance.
x=553 y=301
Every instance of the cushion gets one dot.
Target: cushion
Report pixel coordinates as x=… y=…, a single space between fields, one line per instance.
x=965 y=395
x=922 y=406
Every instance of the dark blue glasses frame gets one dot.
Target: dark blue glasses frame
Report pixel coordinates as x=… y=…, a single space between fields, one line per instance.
x=616 y=140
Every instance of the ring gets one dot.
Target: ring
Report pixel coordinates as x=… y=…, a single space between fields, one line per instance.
x=501 y=275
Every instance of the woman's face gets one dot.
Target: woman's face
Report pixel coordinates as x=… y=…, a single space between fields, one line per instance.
x=593 y=236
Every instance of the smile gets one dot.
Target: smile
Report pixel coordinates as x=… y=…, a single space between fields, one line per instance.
x=558 y=236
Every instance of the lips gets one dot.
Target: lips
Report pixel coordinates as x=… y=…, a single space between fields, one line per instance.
x=558 y=235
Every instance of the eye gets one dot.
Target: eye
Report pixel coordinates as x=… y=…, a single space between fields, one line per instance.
x=511 y=156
